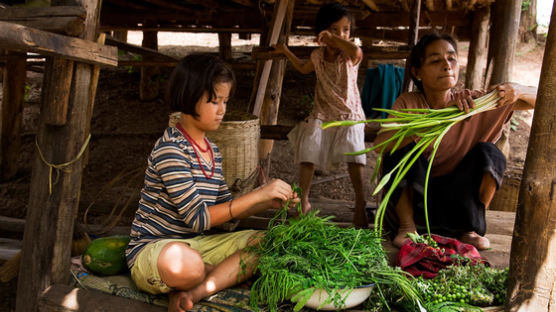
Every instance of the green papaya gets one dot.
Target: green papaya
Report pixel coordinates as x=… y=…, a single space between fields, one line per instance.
x=106 y=255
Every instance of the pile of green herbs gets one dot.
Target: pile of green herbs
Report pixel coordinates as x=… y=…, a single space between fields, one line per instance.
x=430 y=126
x=300 y=255
x=459 y=287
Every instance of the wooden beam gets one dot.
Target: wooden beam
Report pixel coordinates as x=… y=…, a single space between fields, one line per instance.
x=51 y=212
x=532 y=279
x=150 y=53
x=65 y=20
x=478 y=50
x=11 y=114
x=63 y=298
x=393 y=52
x=22 y=38
x=276 y=27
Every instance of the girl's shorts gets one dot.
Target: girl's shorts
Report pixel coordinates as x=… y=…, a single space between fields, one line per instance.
x=213 y=249
x=326 y=148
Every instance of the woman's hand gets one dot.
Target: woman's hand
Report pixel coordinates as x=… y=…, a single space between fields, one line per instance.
x=508 y=92
x=464 y=99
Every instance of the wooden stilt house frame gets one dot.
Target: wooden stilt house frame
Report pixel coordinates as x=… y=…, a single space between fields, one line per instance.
x=69 y=37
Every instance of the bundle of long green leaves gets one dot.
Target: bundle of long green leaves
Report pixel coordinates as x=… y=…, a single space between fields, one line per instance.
x=429 y=125
x=301 y=255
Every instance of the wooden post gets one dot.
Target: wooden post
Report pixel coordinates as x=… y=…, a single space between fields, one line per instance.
x=11 y=109
x=50 y=217
x=502 y=46
x=149 y=85
x=225 y=45
x=413 y=38
x=532 y=278
x=478 y=49
x=528 y=21
x=271 y=101
x=260 y=84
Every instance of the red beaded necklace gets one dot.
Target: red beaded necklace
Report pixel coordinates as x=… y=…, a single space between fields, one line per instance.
x=207 y=149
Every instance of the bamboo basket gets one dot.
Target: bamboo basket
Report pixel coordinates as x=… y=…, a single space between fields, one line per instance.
x=237 y=139
x=506 y=197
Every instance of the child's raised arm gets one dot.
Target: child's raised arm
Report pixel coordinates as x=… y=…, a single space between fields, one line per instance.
x=347 y=46
x=303 y=67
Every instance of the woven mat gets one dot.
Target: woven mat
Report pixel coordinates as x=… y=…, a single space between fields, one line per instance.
x=228 y=300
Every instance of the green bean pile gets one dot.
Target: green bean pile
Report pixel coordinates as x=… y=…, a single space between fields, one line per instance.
x=307 y=253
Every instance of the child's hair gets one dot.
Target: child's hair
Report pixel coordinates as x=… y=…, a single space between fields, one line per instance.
x=195 y=74
x=329 y=14
x=417 y=55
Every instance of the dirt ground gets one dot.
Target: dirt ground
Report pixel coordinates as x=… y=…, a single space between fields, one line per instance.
x=125 y=128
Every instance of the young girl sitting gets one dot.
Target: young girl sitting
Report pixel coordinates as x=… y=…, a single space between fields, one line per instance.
x=337 y=97
x=185 y=194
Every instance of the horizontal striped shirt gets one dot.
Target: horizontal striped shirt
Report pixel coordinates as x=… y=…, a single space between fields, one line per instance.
x=176 y=196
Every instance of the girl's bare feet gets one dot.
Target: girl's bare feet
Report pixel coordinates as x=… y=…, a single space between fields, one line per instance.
x=305 y=205
x=472 y=238
x=180 y=301
x=360 y=218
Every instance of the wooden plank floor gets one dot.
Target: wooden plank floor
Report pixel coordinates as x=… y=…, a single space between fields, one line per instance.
x=500 y=225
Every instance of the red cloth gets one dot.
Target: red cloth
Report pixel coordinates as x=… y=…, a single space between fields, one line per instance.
x=421 y=259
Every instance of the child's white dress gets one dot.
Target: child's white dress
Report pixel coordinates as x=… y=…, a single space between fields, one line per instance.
x=336 y=98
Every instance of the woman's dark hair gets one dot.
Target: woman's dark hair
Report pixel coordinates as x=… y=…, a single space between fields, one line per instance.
x=417 y=55
x=195 y=74
x=329 y=14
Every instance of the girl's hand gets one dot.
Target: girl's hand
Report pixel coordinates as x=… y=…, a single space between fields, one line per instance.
x=324 y=37
x=508 y=92
x=276 y=190
x=279 y=48
x=464 y=99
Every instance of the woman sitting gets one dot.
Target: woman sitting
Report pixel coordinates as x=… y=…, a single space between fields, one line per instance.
x=468 y=167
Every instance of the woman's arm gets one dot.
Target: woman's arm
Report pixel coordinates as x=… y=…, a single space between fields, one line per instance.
x=348 y=47
x=303 y=67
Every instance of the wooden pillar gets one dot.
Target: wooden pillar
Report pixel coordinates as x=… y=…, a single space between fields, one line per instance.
x=502 y=46
x=271 y=101
x=412 y=40
x=478 y=49
x=120 y=35
x=532 y=278
x=11 y=109
x=225 y=45
x=50 y=217
x=150 y=84
x=528 y=21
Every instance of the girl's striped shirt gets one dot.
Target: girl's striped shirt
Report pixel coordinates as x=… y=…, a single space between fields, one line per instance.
x=176 y=196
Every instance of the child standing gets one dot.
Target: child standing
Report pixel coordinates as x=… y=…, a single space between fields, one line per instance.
x=337 y=97
x=185 y=194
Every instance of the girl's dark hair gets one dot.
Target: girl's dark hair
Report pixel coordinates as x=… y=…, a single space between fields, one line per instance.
x=195 y=74
x=329 y=14
x=417 y=55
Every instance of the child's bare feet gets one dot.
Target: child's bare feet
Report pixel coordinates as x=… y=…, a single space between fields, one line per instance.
x=402 y=237
x=472 y=238
x=305 y=206
x=360 y=218
x=180 y=301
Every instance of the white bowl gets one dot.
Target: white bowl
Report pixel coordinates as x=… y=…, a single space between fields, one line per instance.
x=356 y=297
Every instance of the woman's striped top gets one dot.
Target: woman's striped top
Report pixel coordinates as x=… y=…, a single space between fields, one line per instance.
x=176 y=196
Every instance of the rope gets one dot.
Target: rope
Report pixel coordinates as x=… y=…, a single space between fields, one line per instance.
x=62 y=166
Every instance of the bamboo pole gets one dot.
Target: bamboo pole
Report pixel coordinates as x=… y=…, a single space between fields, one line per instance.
x=532 y=278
